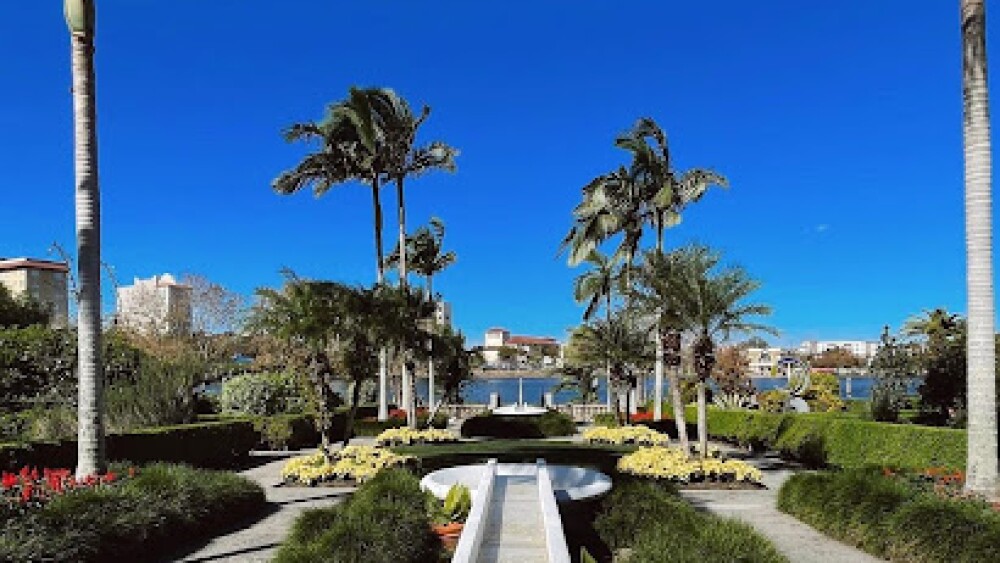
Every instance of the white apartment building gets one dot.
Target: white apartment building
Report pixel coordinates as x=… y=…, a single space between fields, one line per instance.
x=41 y=280
x=497 y=338
x=442 y=313
x=860 y=348
x=157 y=305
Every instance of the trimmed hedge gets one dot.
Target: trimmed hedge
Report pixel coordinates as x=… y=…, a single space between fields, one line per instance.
x=841 y=441
x=657 y=526
x=383 y=522
x=890 y=519
x=131 y=520
x=369 y=426
x=217 y=444
x=550 y=424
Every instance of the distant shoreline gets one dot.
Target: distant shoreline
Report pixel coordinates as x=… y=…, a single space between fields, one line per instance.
x=514 y=373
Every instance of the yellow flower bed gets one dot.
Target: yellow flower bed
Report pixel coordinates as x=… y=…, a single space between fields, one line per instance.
x=407 y=436
x=639 y=435
x=353 y=463
x=670 y=464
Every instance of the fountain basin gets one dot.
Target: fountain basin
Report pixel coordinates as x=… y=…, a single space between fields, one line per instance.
x=568 y=482
x=520 y=410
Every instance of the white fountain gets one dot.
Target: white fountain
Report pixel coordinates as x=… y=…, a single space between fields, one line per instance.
x=520 y=408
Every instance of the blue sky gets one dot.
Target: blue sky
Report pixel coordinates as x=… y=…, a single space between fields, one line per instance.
x=838 y=125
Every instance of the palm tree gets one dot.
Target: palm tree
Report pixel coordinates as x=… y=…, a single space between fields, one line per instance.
x=982 y=468
x=931 y=324
x=397 y=126
x=429 y=260
x=81 y=20
x=581 y=379
x=596 y=286
x=351 y=148
x=712 y=306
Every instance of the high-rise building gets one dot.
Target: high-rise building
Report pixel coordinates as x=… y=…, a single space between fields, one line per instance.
x=861 y=348
x=42 y=281
x=158 y=305
x=442 y=314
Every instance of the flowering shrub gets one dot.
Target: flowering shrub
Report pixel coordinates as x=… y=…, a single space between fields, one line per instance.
x=407 y=436
x=642 y=416
x=941 y=481
x=639 y=435
x=30 y=488
x=670 y=464
x=353 y=463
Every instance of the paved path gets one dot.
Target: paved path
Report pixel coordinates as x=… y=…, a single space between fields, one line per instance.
x=797 y=540
x=514 y=529
x=260 y=540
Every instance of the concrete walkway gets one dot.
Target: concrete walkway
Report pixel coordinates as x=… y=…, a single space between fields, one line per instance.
x=798 y=541
x=260 y=540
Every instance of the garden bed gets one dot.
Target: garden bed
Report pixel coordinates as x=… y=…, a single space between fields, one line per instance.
x=120 y=518
x=903 y=517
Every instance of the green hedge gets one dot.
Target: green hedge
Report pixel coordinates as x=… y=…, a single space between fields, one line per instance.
x=129 y=521
x=656 y=525
x=841 y=441
x=890 y=519
x=383 y=522
x=369 y=426
x=216 y=444
x=548 y=425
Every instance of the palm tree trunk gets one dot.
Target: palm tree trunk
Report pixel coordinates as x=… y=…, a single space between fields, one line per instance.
x=608 y=364
x=673 y=380
x=90 y=410
x=353 y=412
x=658 y=383
x=409 y=396
x=982 y=468
x=383 y=358
x=324 y=411
x=430 y=361
x=702 y=420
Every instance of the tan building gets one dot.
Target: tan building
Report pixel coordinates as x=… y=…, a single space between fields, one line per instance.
x=156 y=305
x=763 y=362
x=41 y=280
x=545 y=350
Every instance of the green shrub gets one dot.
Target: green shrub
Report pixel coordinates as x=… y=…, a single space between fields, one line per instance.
x=129 y=521
x=889 y=518
x=288 y=431
x=550 y=424
x=820 y=439
x=217 y=444
x=158 y=394
x=263 y=394
x=658 y=526
x=370 y=426
x=606 y=419
x=384 y=522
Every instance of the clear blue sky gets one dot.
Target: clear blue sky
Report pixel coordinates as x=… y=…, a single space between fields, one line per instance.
x=838 y=124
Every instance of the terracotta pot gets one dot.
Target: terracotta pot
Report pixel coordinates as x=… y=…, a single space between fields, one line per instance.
x=449 y=530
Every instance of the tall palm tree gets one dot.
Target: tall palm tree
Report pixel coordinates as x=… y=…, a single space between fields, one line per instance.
x=936 y=322
x=81 y=20
x=596 y=286
x=713 y=306
x=982 y=468
x=351 y=148
x=397 y=125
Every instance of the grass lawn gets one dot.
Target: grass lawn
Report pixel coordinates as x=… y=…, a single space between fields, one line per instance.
x=600 y=457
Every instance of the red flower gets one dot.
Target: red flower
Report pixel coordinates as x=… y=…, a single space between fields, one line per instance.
x=25 y=472
x=8 y=480
x=26 y=492
x=109 y=477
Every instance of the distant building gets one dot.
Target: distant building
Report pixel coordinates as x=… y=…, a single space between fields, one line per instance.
x=763 y=362
x=863 y=349
x=442 y=313
x=529 y=351
x=41 y=280
x=158 y=305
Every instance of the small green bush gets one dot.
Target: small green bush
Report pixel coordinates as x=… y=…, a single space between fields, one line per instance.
x=384 y=522
x=550 y=424
x=607 y=419
x=889 y=518
x=287 y=431
x=263 y=394
x=369 y=426
x=129 y=521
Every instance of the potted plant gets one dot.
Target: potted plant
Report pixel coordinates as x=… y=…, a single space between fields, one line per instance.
x=448 y=517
